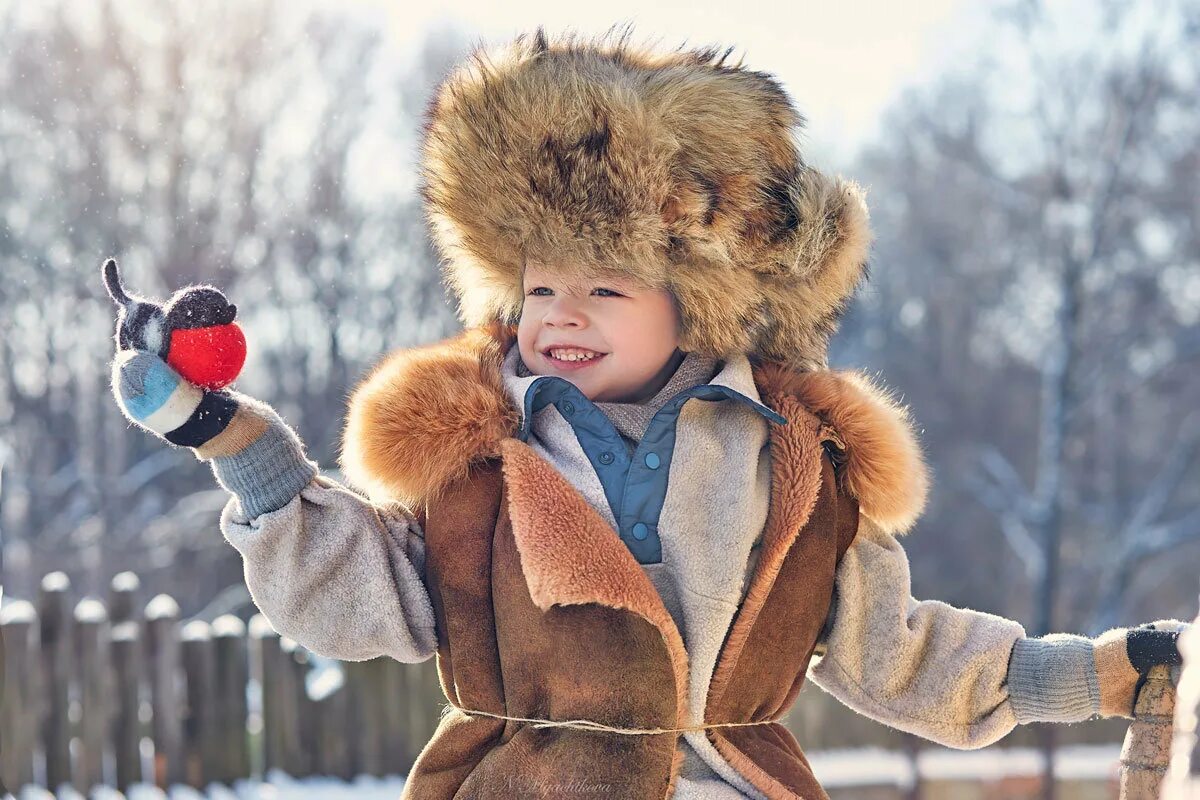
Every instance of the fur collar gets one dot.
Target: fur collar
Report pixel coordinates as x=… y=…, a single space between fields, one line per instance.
x=422 y=416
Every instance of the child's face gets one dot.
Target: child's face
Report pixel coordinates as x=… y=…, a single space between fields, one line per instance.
x=634 y=327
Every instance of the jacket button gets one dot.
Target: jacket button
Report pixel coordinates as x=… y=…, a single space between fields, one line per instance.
x=652 y=460
x=606 y=457
x=640 y=531
x=568 y=408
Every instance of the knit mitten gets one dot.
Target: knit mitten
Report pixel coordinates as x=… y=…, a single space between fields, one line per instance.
x=1124 y=657
x=253 y=453
x=1063 y=677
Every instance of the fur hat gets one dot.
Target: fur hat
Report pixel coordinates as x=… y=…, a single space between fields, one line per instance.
x=669 y=167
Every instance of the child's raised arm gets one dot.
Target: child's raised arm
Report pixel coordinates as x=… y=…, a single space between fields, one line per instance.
x=327 y=568
x=960 y=677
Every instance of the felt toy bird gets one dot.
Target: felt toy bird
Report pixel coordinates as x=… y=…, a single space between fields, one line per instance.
x=194 y=331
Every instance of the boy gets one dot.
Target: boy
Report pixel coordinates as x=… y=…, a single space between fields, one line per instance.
x=630 y=506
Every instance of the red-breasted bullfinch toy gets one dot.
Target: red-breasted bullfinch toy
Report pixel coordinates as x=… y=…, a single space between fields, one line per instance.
x=194 y=331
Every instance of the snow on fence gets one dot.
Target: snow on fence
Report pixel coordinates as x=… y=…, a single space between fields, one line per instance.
x=113 y=694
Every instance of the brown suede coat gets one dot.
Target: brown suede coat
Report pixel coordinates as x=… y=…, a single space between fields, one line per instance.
x=542 y=611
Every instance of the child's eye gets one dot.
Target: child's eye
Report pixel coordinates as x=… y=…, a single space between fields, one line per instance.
x=537 y=291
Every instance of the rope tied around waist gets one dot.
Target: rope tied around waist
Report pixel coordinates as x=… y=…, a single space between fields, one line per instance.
x=590 y=725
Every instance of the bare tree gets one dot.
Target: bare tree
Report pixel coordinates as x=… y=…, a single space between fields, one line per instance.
x=230 y=143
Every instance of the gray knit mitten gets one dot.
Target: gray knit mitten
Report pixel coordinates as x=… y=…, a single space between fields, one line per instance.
x=253 y=453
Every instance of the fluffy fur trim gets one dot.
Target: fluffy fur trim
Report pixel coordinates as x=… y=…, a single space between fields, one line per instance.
x=423 y=416
x=670 y=167
x=884 y=464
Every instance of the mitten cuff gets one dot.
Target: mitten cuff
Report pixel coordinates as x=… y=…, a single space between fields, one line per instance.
x=241 y=431
x=263 y=461
x=1118 y=678
x=1053 y=679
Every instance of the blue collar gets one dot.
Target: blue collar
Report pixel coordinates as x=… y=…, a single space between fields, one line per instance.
x=635 y=485
x=578 y=410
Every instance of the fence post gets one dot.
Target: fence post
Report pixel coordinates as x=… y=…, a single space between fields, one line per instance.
x=300 y=741
x=126 y=726
x=381 y=704
x=95 y=692
x=355 y=677
x=367 y=700
x=268 y=659
x=165 y=676
x=335 y=726
x=199 y=721
x=397 y=757
x=18 y=706
x=232 y=676
x=54 y=617
x=123 y=591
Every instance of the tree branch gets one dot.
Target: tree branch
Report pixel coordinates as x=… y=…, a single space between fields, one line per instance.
x=1163 y=485
x=998 y=488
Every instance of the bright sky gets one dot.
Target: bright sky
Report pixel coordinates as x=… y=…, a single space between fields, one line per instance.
x=842 y=62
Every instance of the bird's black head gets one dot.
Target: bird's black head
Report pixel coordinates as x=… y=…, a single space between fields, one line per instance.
x=199 y=307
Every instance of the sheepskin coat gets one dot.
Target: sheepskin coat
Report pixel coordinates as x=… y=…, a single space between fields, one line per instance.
x=496 y=552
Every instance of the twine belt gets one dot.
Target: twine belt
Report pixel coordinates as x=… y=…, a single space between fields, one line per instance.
x=590 y=725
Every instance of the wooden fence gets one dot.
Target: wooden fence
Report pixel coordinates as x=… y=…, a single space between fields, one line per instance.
x=123 y=691
x=115 y=693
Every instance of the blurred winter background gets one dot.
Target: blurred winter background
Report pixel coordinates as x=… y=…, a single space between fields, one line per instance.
x=1034 y=297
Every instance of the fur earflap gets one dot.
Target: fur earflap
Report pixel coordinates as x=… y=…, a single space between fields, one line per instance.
x=423 y=415
x=884 y=465
x=670 y=167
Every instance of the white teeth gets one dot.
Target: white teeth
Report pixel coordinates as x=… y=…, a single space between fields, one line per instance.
x=573 y=355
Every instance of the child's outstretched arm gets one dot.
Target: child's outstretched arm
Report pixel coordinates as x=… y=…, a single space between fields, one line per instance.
x=326 y=567
x=960 y=677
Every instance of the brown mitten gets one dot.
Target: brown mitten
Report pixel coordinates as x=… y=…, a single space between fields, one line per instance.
x=1125 y=655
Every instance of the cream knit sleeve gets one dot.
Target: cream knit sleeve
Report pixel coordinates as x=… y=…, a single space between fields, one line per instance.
x=338 y=574
x=921 y=666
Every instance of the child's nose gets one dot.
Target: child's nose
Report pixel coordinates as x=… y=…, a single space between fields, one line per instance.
x=564 y=313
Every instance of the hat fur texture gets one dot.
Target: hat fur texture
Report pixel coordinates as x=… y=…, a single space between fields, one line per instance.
x=669 y=167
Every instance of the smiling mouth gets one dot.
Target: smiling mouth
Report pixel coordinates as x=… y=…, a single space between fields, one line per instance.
x=573 y=360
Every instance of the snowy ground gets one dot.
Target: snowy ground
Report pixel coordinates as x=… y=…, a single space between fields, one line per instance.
x=873 y=767
x=280 y=787
x=843 y=768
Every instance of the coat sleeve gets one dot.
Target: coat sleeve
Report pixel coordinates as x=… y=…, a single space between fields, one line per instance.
x=328 y=568
x=959 y=677
x=338 y=574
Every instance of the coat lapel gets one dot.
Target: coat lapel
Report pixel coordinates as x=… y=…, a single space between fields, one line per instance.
x=571 y=556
